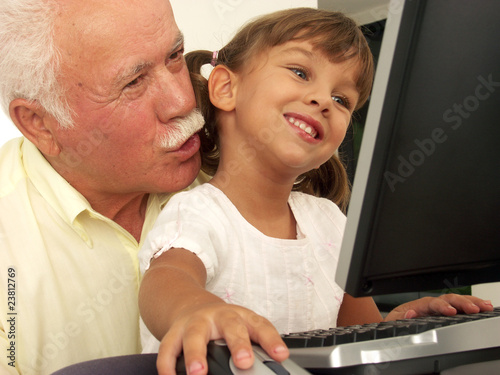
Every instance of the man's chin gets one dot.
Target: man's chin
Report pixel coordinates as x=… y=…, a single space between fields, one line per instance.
x=185 y=174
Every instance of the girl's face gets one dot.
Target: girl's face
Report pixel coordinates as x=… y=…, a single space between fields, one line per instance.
x=292 y=108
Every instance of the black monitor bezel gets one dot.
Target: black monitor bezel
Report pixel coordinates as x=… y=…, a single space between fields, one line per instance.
x=395 y=58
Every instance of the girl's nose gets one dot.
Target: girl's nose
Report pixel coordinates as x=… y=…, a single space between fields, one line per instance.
x=322 y=99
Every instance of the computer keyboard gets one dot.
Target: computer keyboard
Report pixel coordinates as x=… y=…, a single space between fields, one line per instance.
x=425 y=345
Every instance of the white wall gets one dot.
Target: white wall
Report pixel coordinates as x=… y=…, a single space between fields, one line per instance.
x=209 y=24
x=7 y=129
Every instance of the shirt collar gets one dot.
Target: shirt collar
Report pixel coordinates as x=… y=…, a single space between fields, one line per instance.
x=61 y=196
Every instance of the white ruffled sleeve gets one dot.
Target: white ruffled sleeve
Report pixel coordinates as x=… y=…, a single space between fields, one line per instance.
x=188 y=221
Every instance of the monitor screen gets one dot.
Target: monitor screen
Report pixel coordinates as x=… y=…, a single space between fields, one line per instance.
x=425 y=207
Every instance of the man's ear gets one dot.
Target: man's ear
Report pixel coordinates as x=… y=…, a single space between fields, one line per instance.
x=35 y=124
x=222 y=85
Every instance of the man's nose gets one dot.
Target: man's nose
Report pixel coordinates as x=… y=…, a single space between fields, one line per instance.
x=175 y=95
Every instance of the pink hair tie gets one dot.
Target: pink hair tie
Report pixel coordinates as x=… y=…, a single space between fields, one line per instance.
x=215 y=54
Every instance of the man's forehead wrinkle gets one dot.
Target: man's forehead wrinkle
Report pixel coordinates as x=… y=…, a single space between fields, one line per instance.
x=92 y=33
x=144 y=65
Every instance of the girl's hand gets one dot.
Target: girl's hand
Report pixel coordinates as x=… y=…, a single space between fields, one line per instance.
x=237 y=325
x=447 y=304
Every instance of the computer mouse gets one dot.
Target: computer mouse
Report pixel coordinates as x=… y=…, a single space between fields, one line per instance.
x=220 y=363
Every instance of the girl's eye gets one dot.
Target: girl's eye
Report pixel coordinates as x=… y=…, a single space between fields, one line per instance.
x=341 y=100
x=300 y=73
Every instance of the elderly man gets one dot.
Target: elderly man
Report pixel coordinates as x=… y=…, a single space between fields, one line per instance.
x=101 y=93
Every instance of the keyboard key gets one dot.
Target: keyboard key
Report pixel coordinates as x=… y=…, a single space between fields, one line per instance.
x=343 y=337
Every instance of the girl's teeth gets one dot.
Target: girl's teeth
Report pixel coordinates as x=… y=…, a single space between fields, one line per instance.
x=309 y=130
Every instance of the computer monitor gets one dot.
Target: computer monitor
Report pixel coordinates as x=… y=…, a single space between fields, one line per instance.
x=425 y=207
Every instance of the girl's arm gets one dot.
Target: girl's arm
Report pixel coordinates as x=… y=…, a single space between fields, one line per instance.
x=184 y=316
x=358 y=311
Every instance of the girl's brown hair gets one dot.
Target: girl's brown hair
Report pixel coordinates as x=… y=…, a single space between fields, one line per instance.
x=332 y=33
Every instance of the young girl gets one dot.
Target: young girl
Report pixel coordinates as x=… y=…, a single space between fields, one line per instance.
x=258 y=245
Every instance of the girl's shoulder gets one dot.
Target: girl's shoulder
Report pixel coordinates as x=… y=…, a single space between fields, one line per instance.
x=311 y=202
x=201 y=193
x=319 y=212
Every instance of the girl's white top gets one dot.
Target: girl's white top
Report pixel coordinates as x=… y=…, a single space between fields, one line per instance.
x=290 y=282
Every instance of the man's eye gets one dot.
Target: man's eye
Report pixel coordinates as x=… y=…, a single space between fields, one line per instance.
x=300 y=73
x=135 y=82
x=177 y=54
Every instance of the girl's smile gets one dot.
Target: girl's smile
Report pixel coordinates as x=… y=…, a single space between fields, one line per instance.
x=306 y=124
x=293 y=105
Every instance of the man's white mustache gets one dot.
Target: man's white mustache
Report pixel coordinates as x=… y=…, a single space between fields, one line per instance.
x=182 y=130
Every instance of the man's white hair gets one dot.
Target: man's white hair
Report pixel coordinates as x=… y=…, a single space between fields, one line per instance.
x=29 y=60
